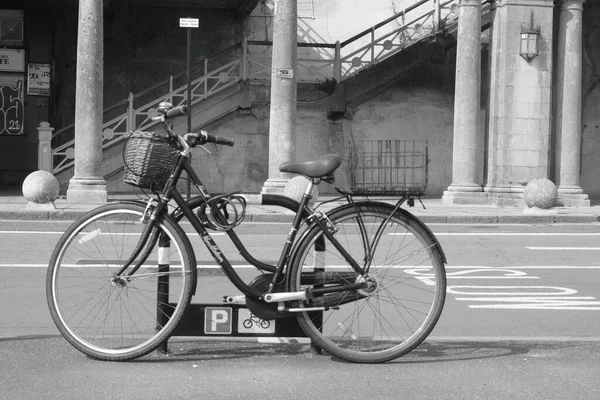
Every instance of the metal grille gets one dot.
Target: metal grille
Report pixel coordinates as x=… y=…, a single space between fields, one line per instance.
x=389 y=167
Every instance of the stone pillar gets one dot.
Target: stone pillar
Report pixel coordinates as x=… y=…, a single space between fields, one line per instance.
x=45 y=147
x=519 y=126
x=568 y=104
x=464 y=187
x=87 y=184
x=282 y=121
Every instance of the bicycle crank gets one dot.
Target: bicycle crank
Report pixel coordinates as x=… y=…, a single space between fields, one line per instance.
x=261 y=309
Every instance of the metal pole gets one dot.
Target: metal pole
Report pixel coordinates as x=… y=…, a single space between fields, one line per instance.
x=162 y=288
x=189 y=94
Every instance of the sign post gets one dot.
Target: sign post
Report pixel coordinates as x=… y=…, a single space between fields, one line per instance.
x=189 y=24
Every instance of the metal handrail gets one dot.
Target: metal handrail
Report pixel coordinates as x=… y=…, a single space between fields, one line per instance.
x=382 y=23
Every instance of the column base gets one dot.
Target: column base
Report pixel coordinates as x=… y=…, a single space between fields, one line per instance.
x=572 y=196
x=573 y=200
x=464 y=188
x=455 y=197
x=274 y=186
x=87 y=190
x=497 y=196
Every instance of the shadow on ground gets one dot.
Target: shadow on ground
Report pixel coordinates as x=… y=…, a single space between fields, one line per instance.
x=429 y=352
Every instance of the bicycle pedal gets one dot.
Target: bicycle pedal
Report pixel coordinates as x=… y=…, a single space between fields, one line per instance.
x=239 y=299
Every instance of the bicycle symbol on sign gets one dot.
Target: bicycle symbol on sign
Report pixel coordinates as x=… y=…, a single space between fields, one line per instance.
x=253 y=319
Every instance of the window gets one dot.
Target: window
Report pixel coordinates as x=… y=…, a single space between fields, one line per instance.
x=11 y=28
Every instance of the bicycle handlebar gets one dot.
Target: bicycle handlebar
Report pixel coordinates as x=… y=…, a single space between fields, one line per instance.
x=176 y=111
x=166 y=111
x=203 y=137
x=218 y=140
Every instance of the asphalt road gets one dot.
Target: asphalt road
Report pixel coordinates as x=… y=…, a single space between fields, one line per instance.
x=521 y=321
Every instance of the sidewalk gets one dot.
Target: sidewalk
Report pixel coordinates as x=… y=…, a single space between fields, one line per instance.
x=13 y=206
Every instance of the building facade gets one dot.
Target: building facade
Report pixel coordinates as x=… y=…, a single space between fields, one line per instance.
x=493 y=119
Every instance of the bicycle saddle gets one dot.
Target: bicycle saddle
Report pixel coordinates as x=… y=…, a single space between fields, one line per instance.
x=317 y=168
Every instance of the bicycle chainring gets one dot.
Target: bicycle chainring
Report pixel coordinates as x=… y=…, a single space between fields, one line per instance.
x=266 y=311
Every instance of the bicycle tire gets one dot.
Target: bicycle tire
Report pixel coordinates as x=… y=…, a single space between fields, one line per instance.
x=380 y=324
x=118 y=320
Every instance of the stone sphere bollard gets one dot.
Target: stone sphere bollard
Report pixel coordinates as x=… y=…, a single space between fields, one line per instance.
x=296 y=187
x=41 y=187
x=541 y=193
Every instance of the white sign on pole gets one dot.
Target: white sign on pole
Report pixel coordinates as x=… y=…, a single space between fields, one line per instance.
x=189 y=22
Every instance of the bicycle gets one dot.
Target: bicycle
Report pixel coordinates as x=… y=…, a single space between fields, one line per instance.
x=253 y=320
x=366 y=280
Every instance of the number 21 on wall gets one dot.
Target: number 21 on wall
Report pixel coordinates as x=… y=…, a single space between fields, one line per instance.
x=11 y=109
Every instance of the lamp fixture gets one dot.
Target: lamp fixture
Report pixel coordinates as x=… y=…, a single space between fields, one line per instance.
x=530 y=40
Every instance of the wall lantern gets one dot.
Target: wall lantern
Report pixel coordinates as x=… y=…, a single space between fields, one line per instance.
x=530 y=41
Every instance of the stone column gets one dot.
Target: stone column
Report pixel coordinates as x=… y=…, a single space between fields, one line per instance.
x=466 y=106
x=282 y=121
x=568 y=104
x=87 y=184
x=520 y=102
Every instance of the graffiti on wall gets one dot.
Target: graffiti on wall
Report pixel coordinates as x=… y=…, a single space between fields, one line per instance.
x=12 y=110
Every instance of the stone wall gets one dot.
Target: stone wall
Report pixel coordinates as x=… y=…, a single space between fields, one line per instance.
x=590 y=154
x=417 y=107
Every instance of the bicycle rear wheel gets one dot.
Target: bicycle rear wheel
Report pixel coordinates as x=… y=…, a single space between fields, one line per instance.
x=406 y=273
x=118 y=318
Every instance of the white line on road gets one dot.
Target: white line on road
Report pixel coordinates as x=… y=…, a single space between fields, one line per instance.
x=436 y=233
x=206 y=266
x=517 y=267
x=111 y=233
x=511 y=234
x=200 y=266
x=564 y=248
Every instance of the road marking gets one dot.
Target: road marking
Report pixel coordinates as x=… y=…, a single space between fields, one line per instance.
x=564 y=248
x=31 y=233
x=199 y=266
x=114 y=233
x=517 y=267
x=203 y=264
x=510 y=234
x=436 y=233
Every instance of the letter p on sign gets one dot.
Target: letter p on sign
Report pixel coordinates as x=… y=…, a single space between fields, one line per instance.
x=218 y=320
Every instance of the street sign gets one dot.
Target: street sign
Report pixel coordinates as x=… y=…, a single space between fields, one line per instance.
x=218 y=320
x=285 y=73
x=189 y=22
x=250 y=323
x=234 y=320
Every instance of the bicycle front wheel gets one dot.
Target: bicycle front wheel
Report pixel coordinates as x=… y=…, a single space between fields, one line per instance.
x=112 y=317
x=405 y=272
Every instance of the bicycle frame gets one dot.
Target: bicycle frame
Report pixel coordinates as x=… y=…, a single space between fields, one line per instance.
x=303 y=212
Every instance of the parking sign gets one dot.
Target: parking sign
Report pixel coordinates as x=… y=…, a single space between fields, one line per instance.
x=218 y=320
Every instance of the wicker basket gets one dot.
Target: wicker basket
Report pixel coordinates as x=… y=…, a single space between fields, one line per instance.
x=149 y=160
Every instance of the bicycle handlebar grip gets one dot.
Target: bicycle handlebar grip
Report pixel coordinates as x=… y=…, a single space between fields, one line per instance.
x=219 y=140
x=177 y=111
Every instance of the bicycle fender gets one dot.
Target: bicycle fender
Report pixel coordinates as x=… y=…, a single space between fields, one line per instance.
x=175 y=221
x=406 y=213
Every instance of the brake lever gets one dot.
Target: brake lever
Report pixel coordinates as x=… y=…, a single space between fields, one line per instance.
x=205 y=149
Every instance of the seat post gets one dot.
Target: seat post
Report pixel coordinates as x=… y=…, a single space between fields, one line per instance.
x=309 y=188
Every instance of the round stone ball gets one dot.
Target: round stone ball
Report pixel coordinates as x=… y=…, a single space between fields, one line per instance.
x=541 y=193
x=296 y=187
x=41 y=187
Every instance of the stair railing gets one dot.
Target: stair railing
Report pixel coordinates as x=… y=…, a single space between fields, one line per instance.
x=126 y=115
